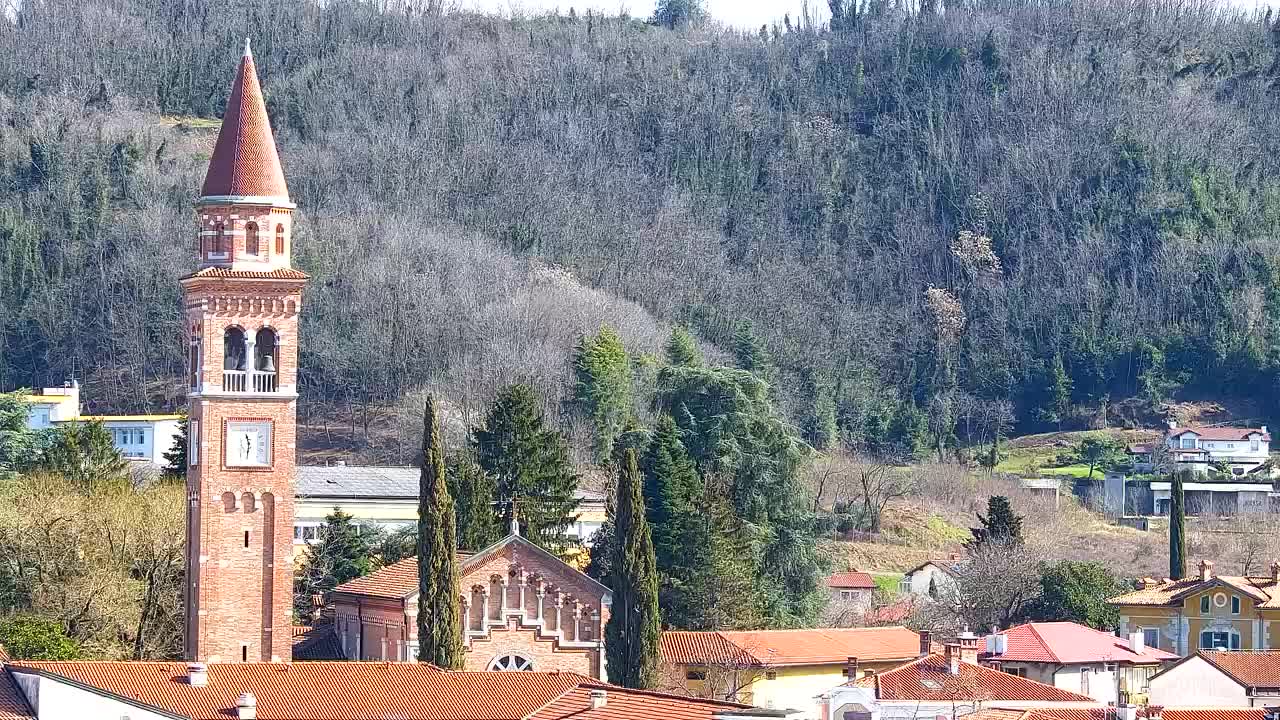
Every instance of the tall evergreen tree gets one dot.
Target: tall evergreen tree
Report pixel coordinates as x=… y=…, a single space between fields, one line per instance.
x=602 y=387
x=473 y=491
x=530 y=465
x=83 y=453
x=1000 y=525
x=439 y=621
x=682 y=349
x=671 y=486
x=750 y=354
x=1177 y=526
x=631 y=636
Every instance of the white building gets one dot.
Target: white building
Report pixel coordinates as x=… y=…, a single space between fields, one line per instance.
x=1220 y=678
x=1241 y=450
x=144 y=438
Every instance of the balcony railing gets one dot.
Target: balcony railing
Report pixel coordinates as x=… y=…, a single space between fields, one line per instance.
x=257 y=381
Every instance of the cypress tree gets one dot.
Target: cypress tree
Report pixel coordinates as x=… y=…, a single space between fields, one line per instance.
x=439 y=622
x=530 y=466
x=1177 y=528
x=1000 y=526
x=631 y=635
x=682 y=349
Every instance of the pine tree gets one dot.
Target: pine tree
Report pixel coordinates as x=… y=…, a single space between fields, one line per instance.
x=671 y=486
x=602 y=387
x=175 y=458
x=631 y=636
x=1177 y=527
x=682 y=349
x=473 y=491
x=83 y=453
x=439 y=619
x=1000 y=526
x=530 y=465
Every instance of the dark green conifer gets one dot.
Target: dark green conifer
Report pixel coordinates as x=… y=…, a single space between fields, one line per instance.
x=682 y=349
x=631 y=636
x=1177 y=527
x=439 y=619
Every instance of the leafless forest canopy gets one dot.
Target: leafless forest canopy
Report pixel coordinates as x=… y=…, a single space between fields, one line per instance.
x=935 y=207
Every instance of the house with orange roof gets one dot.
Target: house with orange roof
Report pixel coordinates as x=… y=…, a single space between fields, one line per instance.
x=782 y=669
x=1249 y=679
x=1204 y=612
x=852 y=591
x=1076 y=657
x=950 y=684
x=330 y=690
x=522 y=609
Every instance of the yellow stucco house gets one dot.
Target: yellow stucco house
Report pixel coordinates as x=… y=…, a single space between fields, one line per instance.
x=1204 y=612
x=781 y=669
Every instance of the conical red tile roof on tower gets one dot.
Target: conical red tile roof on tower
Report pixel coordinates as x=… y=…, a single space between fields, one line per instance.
x=244 y=162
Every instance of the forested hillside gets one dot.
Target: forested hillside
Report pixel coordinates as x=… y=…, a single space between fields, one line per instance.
x=936 y=222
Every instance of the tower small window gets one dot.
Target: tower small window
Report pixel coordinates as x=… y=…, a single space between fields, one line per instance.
x=251 y=239
x=246 y=538
x=280 y=239
x=193 y=361
x=221 y=241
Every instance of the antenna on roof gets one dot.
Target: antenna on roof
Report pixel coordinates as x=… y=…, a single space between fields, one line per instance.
x=247 y=52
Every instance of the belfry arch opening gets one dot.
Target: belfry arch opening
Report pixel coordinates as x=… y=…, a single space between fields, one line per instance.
x=266 y=360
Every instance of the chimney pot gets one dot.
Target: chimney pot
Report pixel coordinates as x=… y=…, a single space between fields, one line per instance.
x=247 y=706
x=599 y=698
x=1137 y=643
x=1206 y=570
x=197 y=674
x=926 y=642
x=951 y=651
x=851 y=668
x=1275 y=571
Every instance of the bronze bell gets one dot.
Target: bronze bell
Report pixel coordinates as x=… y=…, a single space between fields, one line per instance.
x=268 y=364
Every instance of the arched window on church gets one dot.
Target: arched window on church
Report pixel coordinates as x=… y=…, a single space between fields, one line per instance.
x=266 y=360
x=233 y=364
x=221 y=241
x=280 y=239
x=251 y=239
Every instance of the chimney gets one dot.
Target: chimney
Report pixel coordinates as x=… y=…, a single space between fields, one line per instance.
x=1275 y=571
x=247 y=706
x=197 y=674
x=1173 y=424
x=1137 y=643
x=599 y=698
x=926 y=642
x=1206 y=570
x=951 y=651
x=1126 y=712
x=968 y=644
x=851 y=668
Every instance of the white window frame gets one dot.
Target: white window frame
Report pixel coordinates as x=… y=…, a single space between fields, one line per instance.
x=1182 y=443
x=193 y=443
x=1146 y=641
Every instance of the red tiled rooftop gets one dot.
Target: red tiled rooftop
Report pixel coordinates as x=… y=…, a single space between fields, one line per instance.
x=224 y=272
x=1220 y=433
x=851 y=580
x=244 y=161
x=371 y=691
x=395 y=581
x=819 y=646
x=1068 y=642
x=1251 y=668
x=930 y=679
x=12 y=704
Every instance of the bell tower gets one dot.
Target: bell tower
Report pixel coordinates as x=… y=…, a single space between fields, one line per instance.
x=241 y=309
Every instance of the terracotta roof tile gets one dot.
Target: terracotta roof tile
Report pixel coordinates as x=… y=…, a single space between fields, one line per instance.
x=689 y=647
x=1220 y=433
x=851 y=580
x=1068 y=642
x=624 y=704
x=244 y=160
x=1109 y=713
x=775 y=648
x=930 y=679
x=1251 y=668
x=224 y=272
x=13 y=705
x=329 y=690
x=316 y=643
x=1171 y=592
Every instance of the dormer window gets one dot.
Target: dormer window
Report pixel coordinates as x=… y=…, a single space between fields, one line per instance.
x=251 y=239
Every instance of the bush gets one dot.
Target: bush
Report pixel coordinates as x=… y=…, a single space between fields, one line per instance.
x=26 y=637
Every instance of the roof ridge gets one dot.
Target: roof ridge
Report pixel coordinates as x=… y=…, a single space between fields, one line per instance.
x=1043 y=643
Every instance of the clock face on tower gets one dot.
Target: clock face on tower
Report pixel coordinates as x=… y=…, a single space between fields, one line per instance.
x=248 y=443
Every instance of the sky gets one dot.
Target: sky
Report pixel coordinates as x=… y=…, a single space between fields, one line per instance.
x=749 y=14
